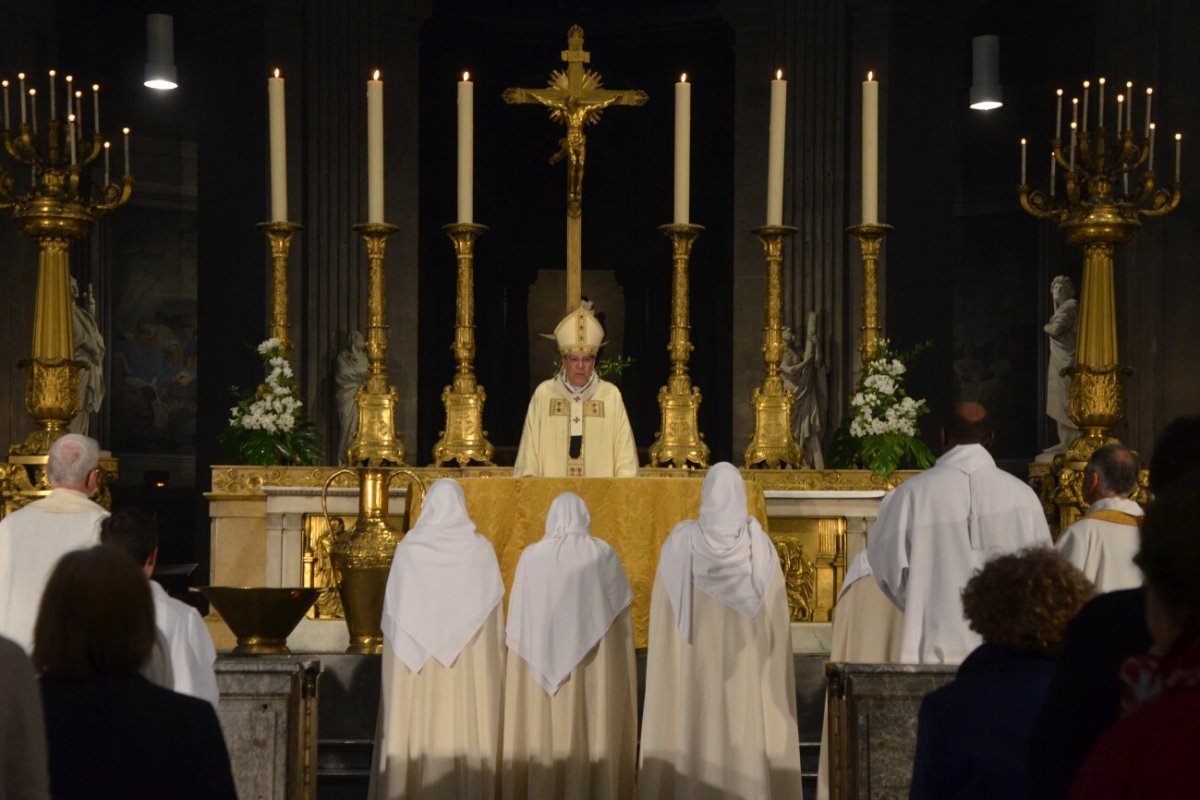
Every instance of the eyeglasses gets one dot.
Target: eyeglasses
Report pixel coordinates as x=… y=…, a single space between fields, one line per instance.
x=580 y=360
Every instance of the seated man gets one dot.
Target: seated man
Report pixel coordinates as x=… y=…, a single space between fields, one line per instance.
x=576 y=424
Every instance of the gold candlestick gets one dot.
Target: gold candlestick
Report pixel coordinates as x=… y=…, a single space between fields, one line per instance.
x=1093 y=217
x=280 y=235
x=679 y=442
x=870 y=241
x=464 y=440
x=55 y=212
x=772 y=443
x=375 y=442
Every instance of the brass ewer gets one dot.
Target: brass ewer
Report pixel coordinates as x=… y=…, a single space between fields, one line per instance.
x=362 y=556
x=1102 y=207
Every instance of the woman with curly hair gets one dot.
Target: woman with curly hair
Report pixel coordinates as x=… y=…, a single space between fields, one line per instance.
x=972 y=734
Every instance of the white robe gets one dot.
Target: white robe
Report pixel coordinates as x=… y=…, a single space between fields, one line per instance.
x=438 y=730
x=608 y=447
x=866 y=630
x=933 y=531
x=32 y=540
x=580 y=742
x=1103 y=550
x=189 y=646
x=719 y=719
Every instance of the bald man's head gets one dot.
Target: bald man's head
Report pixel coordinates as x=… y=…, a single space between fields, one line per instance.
x=967 y=423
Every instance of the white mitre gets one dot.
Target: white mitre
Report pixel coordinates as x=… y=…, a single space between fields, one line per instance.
x=579 y=332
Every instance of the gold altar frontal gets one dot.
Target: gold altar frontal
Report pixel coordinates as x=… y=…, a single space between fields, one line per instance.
x=267 y=528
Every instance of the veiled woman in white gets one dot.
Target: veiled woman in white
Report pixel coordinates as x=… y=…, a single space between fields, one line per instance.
x=720 y=711
x=443 y=659
x=570 y=690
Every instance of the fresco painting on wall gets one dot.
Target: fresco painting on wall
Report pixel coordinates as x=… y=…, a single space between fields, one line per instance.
x=154 y=335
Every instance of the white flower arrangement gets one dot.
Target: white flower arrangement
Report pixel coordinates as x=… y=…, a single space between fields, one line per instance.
x=270 y=427
x=882 y=432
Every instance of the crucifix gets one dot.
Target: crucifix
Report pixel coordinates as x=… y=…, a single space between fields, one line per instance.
x=575 y=99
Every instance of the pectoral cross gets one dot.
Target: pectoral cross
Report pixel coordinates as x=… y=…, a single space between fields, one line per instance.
x=575 y=99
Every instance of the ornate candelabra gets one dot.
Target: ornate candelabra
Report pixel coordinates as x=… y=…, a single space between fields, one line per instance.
x=375 y=442
x=1097 y=212
x=280 y=235
x=679 y=442
x=870 y=240
x=464 y=440
x=772 y=443
x=59 y=205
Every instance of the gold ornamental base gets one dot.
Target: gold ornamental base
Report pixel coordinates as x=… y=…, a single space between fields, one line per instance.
x=679 y=442
x=375 y=442
x=772 y=443
x=464 y=441
x=52 y=399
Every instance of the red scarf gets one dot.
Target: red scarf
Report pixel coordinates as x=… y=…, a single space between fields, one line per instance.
x=1154 y=674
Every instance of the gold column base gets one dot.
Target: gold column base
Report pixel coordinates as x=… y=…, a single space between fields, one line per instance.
x=464 y=440
x=375 y=442
x=772 y=443
x=23 y=480
x=52 y=399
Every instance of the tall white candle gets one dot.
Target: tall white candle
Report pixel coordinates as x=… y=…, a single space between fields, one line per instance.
x=1058 y=116
x=4 y=83
x=1149 y=99
x=1022 y=162
x=466 y=149
x=78 y=109
x=1120 y=111
x=775 y=150
x=21 y=94
x=107 y=147
x=870 y=150
x=33 y=108
x=1087 y=89
x=1178 y=154
x=1129 y=109
x=1072 y=159
x=70 y=80
x=683 y=150
x=375 y=149
x=1074 y=110
x=71 y=135
x=1100 y=105
x=53 y=112
x=278 y=130
x=125 y=131
x=1150 y=166
x=1053 y=172
x=96 y=106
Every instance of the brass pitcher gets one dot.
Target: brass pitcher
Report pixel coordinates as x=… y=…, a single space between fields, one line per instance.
x=362 y=557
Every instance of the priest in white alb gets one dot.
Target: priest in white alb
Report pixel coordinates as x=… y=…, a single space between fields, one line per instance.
x=720 y=713
x=1103 y=542
x=570 y=691
x=935 y=529
x=34 y=538
x=443 y=659
x=576 y=425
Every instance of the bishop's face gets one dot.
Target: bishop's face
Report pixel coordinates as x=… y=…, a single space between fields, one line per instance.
x=579 y=367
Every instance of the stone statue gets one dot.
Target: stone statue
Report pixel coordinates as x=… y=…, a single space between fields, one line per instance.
x=806 y=378
x=1061 y=329
x=349 y=373
x=89 y=348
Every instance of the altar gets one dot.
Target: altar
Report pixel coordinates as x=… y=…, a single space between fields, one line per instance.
x=268 y=529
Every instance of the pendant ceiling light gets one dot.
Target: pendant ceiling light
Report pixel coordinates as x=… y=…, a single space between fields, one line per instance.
x=160 y=52
x=986 y=93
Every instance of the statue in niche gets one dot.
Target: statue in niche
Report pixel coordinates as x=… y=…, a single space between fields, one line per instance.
x=89 y=348
x=805 y=377
x=349 y=373
x=1061 y=329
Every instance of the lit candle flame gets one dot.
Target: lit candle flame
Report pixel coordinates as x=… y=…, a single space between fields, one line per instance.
x=125 y=131
x=1179 y=137
x=870 y=74
x=107 y=145
x=683 y=78
x=1086 y=84
x=375 y=75
x=1059 y=92
x=277 y=72
x=1102 y=80
x=778 y=74
x=1120 y=98
x=1022 y=142
x=1149 y=90
x=95 y=87
x=53 y=73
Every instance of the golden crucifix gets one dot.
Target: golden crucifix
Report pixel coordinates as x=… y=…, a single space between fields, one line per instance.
x=575 y=99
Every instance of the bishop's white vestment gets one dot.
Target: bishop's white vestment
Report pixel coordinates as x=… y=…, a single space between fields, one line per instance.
x=438 y=731
x=570 y=690
x=1104 y=541
x=933 y=531
x=555 y=414
x=719 y=719
x=32 y=540
x=189 y=646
